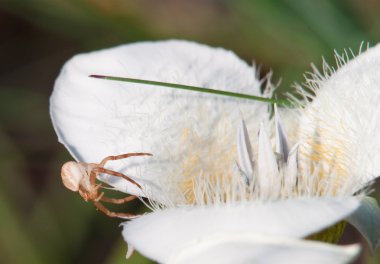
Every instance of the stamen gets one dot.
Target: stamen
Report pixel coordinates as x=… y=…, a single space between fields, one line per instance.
x=244 y=151
x=291 y=179
x=268 y=174
x=281 y=142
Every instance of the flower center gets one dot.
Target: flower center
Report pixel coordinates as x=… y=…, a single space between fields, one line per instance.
x=205 y=166
x=214 y=169
x=327 y=159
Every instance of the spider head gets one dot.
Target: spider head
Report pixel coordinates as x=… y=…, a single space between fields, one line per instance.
x=72 y=174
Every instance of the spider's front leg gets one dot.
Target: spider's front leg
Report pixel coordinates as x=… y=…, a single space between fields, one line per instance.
x=122 y=156
x=100 y=167
x=98 y=170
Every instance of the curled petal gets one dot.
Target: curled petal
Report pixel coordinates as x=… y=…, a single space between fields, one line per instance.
x=367 y=220
x=253 y=248
x=162 y=234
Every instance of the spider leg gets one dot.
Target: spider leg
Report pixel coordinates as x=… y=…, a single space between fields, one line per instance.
x=106 y=186
x=109 y=213
x=122 y=156
x=100 y=196
x=83 y=192
x=93 y=175
x=97 y=170
x=118 y=201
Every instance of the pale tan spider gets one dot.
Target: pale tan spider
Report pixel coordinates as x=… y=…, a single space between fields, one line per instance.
x=81 y=177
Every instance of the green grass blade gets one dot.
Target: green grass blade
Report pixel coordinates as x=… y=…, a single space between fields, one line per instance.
x=195 y=89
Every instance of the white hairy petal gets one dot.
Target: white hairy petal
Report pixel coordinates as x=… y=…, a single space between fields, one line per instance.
x=95 y=118
x=367 y=220
x=259 y=249
x=344 y=117
x=161 y=234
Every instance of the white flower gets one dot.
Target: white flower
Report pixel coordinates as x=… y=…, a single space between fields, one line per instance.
x=221 y=188
x=340 y=129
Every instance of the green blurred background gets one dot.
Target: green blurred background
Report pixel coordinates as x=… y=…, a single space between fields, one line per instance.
x=40 y=221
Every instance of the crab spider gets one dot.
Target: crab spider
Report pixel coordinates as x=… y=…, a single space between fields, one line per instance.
x=81 y=177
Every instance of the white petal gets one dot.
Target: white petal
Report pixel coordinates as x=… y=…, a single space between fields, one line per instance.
x=346 y=116
x=163 y=233
x=259 y=249
x=95 y=118
x=367 y=220
x=244 y=149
